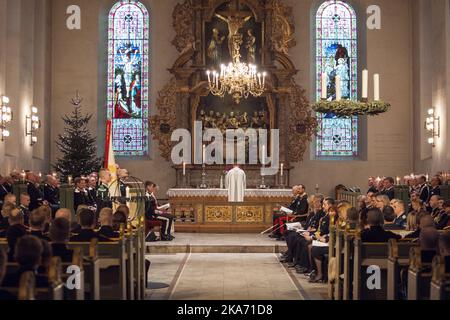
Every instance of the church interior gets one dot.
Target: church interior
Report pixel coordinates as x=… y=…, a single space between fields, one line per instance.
x=272 y=150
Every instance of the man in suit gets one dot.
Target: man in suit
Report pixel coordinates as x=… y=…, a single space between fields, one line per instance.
x=15 y=231
x=51 y=193
x=376 y=233
x=435 y=188
x=3 y=190
x=152 y=212
x=87 y=233
x=389 y=219
x=38 y=219
x=388 y=184
x=106 y=224
x=59 y=235
x=372 y=185
x=33 y=189
x=92 y=185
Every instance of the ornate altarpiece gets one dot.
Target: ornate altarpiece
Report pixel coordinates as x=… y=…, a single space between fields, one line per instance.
x=201 y=40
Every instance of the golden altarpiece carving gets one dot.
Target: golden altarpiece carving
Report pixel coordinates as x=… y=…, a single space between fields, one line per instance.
x=205 y=33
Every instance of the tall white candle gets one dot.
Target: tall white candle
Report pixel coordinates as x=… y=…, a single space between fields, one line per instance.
x=338 y=88
x=204 y=154
x=282 y=167
x=365 y=84
x=376 y=87
x=184 y=168
x=263 y=156
x=324 y=86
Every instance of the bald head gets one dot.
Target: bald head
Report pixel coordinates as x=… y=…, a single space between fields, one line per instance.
x=64 y=213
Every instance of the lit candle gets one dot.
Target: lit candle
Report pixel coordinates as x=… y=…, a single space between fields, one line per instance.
x=324 y=86
x=282 y=167
x=264 y=78
x=204 y=154
x=365 y=83
x=398 y=181
x=338 y=88
x=24 y=176
x=209 y=76
x=69 y=179
x=376 y=87
x=263 y=156
x=427 y=176
x=184 y=168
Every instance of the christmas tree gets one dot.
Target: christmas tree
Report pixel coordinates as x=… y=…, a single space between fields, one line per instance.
x=76 y=144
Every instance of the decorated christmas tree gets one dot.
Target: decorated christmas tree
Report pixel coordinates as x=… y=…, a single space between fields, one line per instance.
x=77 y=146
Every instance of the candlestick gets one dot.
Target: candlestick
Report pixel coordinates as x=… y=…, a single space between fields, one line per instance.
x=365 y=83
x=184 y=168
x=376 y=87
x=204 y=154
x=338 y=88
x=324 y=86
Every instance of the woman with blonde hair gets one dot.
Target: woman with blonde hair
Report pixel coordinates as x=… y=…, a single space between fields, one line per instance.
x=411 y=221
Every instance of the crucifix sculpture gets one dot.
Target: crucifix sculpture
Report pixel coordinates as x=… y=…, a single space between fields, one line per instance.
x=236 y=20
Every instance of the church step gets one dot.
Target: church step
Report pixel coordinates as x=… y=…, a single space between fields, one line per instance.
x=171 y=249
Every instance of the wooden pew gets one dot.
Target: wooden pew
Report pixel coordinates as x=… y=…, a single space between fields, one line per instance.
x=112 y=259
x=331 y=258
x=139 y=259
x=91 y=267
x=419 y=275
x=54 y=291
x=338 y=265
x=77 y=260
x=398 y=260
x=440 y=279
x=365 y=255
x=344 y=267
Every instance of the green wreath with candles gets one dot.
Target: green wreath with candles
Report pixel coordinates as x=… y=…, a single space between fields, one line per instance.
x=348 y=108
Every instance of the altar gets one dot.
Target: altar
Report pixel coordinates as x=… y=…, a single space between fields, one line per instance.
x=208 y=210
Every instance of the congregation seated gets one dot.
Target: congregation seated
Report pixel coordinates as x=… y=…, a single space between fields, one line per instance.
x=389 y=219
x=442 y=218
x=4 y=295
x=428 y=242
x=87 y=232
x=67 y=214
x=25 y=207
x=106 y=224
x=119 y=218
x=424 y=221
x=376 y=233
x=5 y=213
x=28 y=254
x=59 y=235
x=15 y=231
x=38 y=221
x=400 y=213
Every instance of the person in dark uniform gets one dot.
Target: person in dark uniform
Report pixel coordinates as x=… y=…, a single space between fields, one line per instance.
x=59 y=234
x=3 y=190
x=424 y=189
x=400 y=214
x=51 y=193
x=388 y=190
x=122 y=175
x=372 y=185
x=33 y=189
x=25 y=207
x=376 y=233
x=435 y=188
x=152 y=212
x=106 y=224
x=102 y=196
x=80 y=194
x=92 y=185
x=87 y=233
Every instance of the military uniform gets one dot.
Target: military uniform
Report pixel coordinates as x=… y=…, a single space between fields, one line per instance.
x=400 y=221
x=102 y=197
x=25 y=213
x=424 y=192
x=390 y=193
x=299 y=206
x=36 y=196
x=80 y=197
x=51 y=195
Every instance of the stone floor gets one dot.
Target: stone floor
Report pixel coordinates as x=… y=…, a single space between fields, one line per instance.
x=235 y=275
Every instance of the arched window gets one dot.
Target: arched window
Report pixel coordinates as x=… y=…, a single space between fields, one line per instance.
x=128 y=39
x=337 y=54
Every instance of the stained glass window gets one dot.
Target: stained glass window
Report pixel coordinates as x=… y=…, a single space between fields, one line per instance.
x=337 y=54
x=128 y=39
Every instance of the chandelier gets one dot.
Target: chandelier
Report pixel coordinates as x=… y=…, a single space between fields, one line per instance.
x=238 y=79
x=6 y=117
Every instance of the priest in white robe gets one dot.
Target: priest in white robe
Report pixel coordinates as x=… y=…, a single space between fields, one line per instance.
x=235 y=182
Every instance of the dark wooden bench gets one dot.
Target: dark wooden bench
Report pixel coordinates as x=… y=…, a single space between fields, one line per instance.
x=419 y=275
x=77 y=261
x=365 y=255
x=398 y=260
x=440 y=279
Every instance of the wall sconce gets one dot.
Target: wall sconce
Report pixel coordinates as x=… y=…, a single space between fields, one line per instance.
x=6 y=117
x=433 y=126
x=33 y=124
